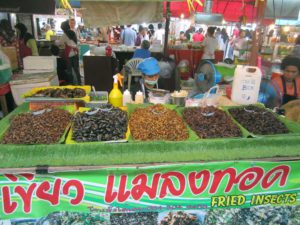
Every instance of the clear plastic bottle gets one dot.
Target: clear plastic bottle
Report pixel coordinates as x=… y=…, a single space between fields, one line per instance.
x=139 y=98
x=126 y=97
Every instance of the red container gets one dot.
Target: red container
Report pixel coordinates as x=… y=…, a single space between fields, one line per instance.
x=228 y=91
x=185 y=75
x=108 y=50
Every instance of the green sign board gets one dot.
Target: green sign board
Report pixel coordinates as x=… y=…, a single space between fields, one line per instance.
x=201 y=192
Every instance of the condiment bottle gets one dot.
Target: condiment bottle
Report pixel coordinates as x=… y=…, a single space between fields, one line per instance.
x=115 y=96
x=108 y=50
x=126 y=97
x=139 y=98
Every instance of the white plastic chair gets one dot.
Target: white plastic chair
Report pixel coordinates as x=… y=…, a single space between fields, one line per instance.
x=131 y=69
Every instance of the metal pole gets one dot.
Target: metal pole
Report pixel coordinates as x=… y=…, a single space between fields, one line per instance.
x=167 y=28
x=257 y=34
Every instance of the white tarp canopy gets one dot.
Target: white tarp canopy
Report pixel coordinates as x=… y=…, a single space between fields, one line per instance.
x=98 y=14
x=284 y=9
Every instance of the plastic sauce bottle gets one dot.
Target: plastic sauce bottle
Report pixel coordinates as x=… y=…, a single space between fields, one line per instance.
x=126 y=97
x=139 y=98
x=115 y=96
x=108 y=50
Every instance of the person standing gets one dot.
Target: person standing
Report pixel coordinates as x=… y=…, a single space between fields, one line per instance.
x=49 y=32
x=241 y=44
x=145 y=35
x=129 y=36
x=159 y=34
x=151 y=31
x=26 y=42
x=210 y=45
x=7 y=34
x=296 y=50
x=140 y=36
x=230 y=49
x=198 y=36
x=236 y=31
x=72 y=24
x=69 y=40
x=61 y=66
x=182 y=36
x=224 y=39
x=81 y=32
x=189 y=33
x=218 y=33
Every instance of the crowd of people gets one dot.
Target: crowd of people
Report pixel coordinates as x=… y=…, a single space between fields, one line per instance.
x=130 y=37
x=234 y=45
x=26 y=45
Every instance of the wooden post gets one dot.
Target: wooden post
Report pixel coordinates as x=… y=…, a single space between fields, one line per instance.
x=257 y=36
x=167 y=28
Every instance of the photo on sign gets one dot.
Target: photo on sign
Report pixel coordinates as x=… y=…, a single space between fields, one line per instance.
x=58 y=218
x=21 y=221
x=190 y=217
x=141 y=218
x=275 y=215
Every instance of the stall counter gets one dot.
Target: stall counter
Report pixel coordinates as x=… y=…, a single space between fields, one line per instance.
x=18 y=156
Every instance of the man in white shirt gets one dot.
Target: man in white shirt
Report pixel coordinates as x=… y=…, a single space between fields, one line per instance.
x=159 y=34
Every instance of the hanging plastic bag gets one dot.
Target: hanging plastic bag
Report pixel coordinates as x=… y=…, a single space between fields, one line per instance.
x=167 y=67
x=5 y=68
x=3 y=58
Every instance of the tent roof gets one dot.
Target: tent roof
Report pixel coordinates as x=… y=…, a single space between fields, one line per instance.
x=127 y=0
x=232 y=10
x=284 y=9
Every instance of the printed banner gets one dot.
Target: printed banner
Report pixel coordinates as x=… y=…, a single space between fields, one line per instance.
x=202 y=193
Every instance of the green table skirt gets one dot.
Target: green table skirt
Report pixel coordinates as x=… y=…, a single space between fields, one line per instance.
x=19 y=156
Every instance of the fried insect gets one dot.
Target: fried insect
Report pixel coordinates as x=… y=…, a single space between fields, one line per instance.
x=210 y=122
x=45 y=128
x=258 y=120
x=157 y=123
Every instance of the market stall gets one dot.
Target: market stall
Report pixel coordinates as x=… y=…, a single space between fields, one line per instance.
x=107 y=164
x=205 y=160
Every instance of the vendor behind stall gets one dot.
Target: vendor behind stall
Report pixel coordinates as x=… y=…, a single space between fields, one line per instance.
x=26 y=42
x=49 y=32
x=69 y=41
x=7 y=34
x=289 y=82
x=150 y=69
x=296 y=50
